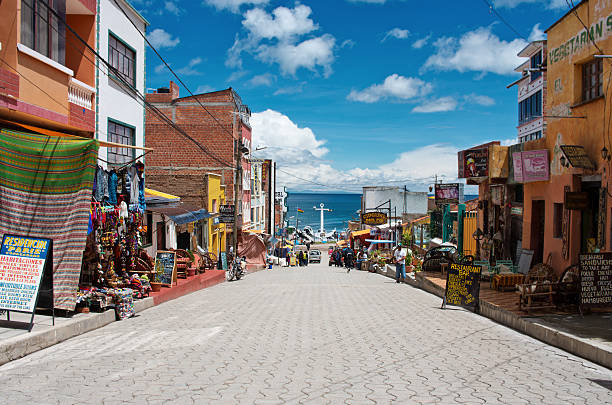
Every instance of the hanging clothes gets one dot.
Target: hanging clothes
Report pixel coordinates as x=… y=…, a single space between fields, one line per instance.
x=134 y=184
x=112 y=188
x=101 y=187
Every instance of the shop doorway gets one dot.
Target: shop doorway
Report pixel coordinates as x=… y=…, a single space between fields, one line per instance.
x=183 y=240
x=589 y=216
x=160 y=231
x=538 y=217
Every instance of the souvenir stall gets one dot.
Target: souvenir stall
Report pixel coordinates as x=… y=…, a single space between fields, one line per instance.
x=115 y=270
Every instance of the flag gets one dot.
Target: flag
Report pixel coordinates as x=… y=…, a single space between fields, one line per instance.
x=300 y=210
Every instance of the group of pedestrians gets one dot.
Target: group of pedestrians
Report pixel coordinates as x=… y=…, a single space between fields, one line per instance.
x=342 y=258
x=299 y=258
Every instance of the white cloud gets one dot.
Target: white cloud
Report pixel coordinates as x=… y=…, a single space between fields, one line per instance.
x=237 y=75
x=441 y=104
x=172 y=8
x=191 y=68
x=484 y=101
x=348 y=43
x=277 y=38
x=233 y=5
x=300 y=153
x=265 y=79
x=537 y=34
x=161 y=39
x=308 y=54
x=509 y=142
x=397 y=33
x=204 y=88
x=393 y=87
x=286 y=142
x=290 y=89
x=479 y=50
x=283 y=23
x=551 y=4
x=420 y=43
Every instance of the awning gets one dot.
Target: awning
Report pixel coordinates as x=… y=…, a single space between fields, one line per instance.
x=341 y=243
x=422 y=220
x=49 y=132
x=374 y=241
x=153 y=197
x=360 y=233
x=191 y=216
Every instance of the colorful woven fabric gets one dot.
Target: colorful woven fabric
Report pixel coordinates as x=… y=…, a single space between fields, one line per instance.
x=45 y=191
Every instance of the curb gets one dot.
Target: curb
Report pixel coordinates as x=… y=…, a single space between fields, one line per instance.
x=571 y=344
x=20 y=346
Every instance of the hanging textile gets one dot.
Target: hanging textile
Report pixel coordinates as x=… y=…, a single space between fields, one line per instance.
x=45 y=191
x=112 y=188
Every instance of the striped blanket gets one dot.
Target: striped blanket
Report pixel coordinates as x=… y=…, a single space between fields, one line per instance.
x=45 y=191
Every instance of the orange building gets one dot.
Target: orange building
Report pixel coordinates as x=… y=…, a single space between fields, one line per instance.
x=568 y=214
x=45 y=80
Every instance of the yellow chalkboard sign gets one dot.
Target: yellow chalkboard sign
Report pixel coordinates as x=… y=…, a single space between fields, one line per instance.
x=462 y=285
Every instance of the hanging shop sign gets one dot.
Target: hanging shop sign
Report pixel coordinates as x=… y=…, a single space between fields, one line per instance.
x=596 y=279
x=602 y=218
x=165 y=267
x=565 y=228
x=449 y=193
x=532 y=165
x=576 y=200
x=374 y=218
x=462 y=285
x=226 y=214
x=474 y=162
x=577 y=156
x=22 y=264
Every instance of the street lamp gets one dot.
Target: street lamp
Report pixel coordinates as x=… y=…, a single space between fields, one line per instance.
x=478 y=235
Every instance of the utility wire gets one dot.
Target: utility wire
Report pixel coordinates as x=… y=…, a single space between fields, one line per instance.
x=503 y=20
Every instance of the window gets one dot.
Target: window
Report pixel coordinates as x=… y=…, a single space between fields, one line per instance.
x=531 y=137
x=536 y=61
x=119 y=133
x=530 y=108
x=592 y=80
x=122 y=58
x=41 y=30
x=558 y=220
x=214 y=205
x=147 y=240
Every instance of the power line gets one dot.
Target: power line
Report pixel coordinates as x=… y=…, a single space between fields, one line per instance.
x=503 y=20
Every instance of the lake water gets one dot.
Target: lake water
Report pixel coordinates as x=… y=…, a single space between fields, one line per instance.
x=344 y=207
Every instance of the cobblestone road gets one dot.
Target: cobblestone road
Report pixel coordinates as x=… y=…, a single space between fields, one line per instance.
x=315 y=335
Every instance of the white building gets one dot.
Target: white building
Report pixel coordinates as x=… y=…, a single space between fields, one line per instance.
x=531 y=93
x=403 y=203
x=120 y=114
x=257 y=195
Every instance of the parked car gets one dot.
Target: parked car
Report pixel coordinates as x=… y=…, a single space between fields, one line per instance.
x=314 y=256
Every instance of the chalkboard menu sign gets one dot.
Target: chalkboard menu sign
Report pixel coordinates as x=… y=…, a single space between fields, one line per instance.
x=22 y=263
x=596 y=279
x=165 y=267
x=462 y=285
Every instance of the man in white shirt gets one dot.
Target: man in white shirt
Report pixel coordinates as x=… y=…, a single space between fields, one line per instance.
x=399 y=258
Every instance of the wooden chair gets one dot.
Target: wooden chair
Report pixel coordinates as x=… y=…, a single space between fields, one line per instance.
x=486 y=273
x=539 y=288
x=567 y=292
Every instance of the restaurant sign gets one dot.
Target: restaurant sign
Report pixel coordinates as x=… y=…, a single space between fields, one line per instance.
x=374 y=218
x=473 y=163
x=529 y=166
x=577 y=156
x=576 y=200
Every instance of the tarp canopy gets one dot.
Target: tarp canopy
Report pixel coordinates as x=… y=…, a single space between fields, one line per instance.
x=191 y=216
x=154 y=197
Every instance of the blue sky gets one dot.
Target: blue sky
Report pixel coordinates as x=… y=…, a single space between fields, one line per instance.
x=355 y=92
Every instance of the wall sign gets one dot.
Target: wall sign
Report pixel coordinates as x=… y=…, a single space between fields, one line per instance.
x=449 y=193
x=596 y=279
x=165 y=267
x=462 y=285
x=565 y=228
x=226 y=214
x=532 y=165
x=474 y=163
x=577 y=156
x=517 y=166
x=576 y=200
x=22 y=263
x=374 y=218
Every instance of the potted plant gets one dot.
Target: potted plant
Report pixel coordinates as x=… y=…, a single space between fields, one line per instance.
x=156 y=284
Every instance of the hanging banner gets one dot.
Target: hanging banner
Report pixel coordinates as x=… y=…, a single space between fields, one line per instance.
x=517 y=165
x=22 y=263
x=449 y=193
x=530 y=166
x=474 y=163
x=462 y=285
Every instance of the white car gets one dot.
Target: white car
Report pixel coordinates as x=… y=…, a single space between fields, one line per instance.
x=314 y=256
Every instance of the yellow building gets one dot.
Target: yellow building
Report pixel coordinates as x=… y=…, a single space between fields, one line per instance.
x=216 y=231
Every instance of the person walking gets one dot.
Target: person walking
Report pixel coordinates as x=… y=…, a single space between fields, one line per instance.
x=399 y=258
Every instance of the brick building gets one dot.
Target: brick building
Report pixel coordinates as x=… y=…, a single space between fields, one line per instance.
x=178 y=166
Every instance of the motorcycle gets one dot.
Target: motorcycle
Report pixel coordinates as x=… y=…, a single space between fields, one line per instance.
x=236 y=271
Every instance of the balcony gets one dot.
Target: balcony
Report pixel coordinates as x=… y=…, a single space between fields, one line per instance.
x=81 y=94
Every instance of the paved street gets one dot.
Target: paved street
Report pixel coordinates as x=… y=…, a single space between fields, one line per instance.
x=315 y=335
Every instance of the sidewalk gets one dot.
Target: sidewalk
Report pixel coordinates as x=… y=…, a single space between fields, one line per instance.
x=589 y=337
x=16 y=343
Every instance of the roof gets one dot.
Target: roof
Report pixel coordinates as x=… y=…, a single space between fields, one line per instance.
x=157 y=197
x=531 y=48
x=181 y=213
x=133 y=10
x=360 y=233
